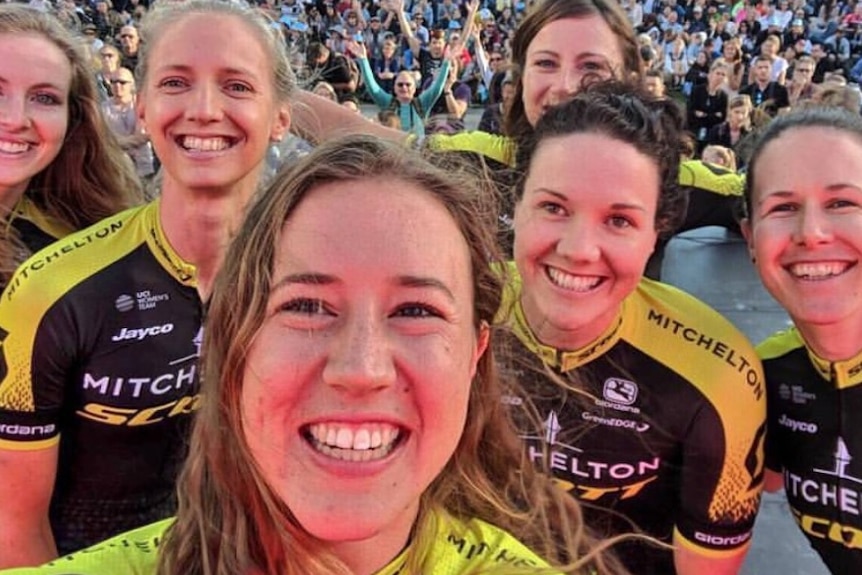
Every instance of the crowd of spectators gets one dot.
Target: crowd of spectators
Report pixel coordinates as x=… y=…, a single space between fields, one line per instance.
x=702 y=52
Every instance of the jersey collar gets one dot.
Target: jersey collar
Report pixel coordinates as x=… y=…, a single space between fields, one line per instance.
x=184 y=272
x=843 y=374
x=562 y=359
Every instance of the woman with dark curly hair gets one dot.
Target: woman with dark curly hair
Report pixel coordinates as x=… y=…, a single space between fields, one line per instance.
x=652 y=402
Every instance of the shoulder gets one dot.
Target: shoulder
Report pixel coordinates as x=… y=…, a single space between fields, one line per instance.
x=133 y=553
x=77 y=256
x=493 y=146
x=695 y=340
x=780 y=344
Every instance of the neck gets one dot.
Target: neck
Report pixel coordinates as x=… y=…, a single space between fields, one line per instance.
x=199 y=224
x=10 y=196
x=832 y=342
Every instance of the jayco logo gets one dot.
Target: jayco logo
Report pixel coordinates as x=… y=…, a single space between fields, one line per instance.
x=143 y=333
x=795 y=425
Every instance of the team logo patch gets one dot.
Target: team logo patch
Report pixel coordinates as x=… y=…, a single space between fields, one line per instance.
x=620 y=391
x=125 y=303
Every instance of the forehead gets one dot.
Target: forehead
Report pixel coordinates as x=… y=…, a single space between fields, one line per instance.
x=376 y=227
x=33 y=59
x=179 y=44
x=618 y=168
x=572 y=38
x=809 y=157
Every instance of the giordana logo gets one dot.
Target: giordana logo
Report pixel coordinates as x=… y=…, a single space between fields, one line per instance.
x=795 y=425
x=143 y=333
x=620 y=391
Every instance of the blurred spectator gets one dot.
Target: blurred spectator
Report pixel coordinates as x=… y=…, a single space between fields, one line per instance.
x=122 y=119
x=719 y=156
x=492 y=117
x=323 y=65
x=800 y=86
x=130 y=41
x=387 y=65
x=654 y=84
x=769 y=50
x=707 y=106
x=736 y=127
x=697 y=73
x=675 y=63
x=735 y=60
x=765 y=93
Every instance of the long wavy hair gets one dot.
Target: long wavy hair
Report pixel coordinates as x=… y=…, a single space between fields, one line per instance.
x=548 y=11
x=231 y=521
x=91 y=178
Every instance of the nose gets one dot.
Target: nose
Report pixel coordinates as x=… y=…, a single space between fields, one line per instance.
x=360 y=356
x=578 y=241
x=13 y=113
x=812 y=227
x=569 y=84
x=205 y=105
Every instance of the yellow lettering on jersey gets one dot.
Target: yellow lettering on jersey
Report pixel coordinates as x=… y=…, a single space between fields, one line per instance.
x=821 y=528
x=594 y=493
x=138 y=417
x=106 y=413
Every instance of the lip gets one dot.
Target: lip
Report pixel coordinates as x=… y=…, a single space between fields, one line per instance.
x=346 y=467
x=232 y=143
x=820 y=270
x=569 y=283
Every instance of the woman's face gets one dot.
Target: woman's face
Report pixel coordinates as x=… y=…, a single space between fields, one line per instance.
x=356 y=387
x=583 y=233
x=211 y=114
x=35 y=78
x=805 y=226
x=717 y=76
x=110 y=59
x=561 y=55
x=737 y=117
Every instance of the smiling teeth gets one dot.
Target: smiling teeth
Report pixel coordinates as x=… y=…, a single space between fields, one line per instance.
x=571 y=282
x=365 y=443
x=818 y=270
x=13 y=147
x=205 y=144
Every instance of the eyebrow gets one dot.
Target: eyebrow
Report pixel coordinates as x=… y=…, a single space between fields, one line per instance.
x=320 y=279
x=830 y=188
x=615 y=206
x=40 y=86
x=190 y=69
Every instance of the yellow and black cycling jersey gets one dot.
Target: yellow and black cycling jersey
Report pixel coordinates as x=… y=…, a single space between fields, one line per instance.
x=36 y=229
x=457 y=548
x=815 y=442
x=99 y=342
x=657 y=425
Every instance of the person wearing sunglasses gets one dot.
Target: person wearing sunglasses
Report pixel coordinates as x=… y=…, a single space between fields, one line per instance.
x=120 y=114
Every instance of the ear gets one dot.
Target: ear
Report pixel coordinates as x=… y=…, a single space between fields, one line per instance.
x=139 y=109
x=745 y=228
x=482 y=340
x=281 y=123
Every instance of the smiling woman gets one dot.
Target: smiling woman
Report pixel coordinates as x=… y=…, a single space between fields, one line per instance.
x=50 y=128
x=93 y=420
x=354 y=422
x=804 y=203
